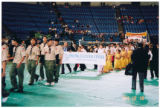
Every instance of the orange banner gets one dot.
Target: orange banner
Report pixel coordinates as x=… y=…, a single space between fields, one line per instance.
x=136 y=34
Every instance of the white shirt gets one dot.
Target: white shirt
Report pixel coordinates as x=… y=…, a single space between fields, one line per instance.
x=126 y=49
x=34 y=54
x=59 y=50
x=19 y=54
x=42 y=47
x=83 y=50
x=95 y=50
x=118 y=48
x=4 y=52
x=113 y=50
x=132 y=47
x=106 y=50
x=102 y=50
x=49 y=55
x=151 y=56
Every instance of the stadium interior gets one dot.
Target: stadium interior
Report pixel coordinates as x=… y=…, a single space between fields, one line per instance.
x=89 y=21
x=75 y=22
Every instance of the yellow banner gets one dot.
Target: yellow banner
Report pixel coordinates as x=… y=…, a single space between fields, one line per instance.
x=136 y=34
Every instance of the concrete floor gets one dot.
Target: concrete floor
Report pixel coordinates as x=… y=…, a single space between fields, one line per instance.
x=85 y=89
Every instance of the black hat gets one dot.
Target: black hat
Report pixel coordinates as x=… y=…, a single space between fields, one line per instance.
x=56 y=39
x=17 y=40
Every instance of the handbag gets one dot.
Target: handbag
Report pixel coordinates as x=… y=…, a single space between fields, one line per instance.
x=129 y=69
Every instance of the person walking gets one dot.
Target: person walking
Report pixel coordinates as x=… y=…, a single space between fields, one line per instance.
x=50 y=62
x=41 y=61
x=18 y=66
x=32 y=55
x=138 y=60
x=59 y=55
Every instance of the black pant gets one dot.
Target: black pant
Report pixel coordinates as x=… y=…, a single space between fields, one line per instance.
x=141 y=80
x=5 y=93
x=63 y=69
x=145 y=72
x=113 y=62
x=95 y=66
x=42 y=63
x=154 y=67
x=3 y=81
x=75 y=67
x=82 y=67
x=41 y=70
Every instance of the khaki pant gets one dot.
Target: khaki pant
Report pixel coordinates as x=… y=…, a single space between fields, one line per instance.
x=50 y=69
x=56 y=74
x=17 y=71
x=32 y=70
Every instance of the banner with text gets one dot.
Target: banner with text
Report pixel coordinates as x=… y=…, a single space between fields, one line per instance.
x=84 y=58
x=129 y=34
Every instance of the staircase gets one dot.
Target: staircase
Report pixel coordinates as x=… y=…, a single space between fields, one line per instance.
x=118 y=15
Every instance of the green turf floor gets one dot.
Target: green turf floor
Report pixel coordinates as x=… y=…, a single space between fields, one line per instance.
x=85 y=89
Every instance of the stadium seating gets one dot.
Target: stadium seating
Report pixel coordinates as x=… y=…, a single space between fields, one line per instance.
x=100 y=19
x=150 y=14
x=132 y=11
x=24 y=18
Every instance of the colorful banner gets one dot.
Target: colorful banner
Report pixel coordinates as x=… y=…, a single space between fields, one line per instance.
x=136 y=34
x=84 y=58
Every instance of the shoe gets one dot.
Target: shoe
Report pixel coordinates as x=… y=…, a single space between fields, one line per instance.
x=142 y=91
x=99 y=74
x=62 y=73
x=56 y=81
x=133 y=88
x=41 y=79
x=52 y=83
x=20 y=90
x=12 y=89
x=133 y=91
x=4 y=99
x=47 y=84
x=30 y=83
x=5 y=94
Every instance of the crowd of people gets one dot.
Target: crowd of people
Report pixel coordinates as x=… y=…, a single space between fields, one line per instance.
x=49 y=53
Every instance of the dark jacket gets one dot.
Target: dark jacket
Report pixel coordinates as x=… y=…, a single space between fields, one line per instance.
x=138 y=58
x=73 y=49
x=155 y=55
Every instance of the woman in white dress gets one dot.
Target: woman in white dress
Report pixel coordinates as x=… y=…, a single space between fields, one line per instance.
x=100 y=50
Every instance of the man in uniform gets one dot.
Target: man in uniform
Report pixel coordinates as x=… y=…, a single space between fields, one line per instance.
x=50 y=62
x=4 y=60
x=17 y=66
x=32 y=54
x=59 y=55
x=44 y=44
x=4 y=63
